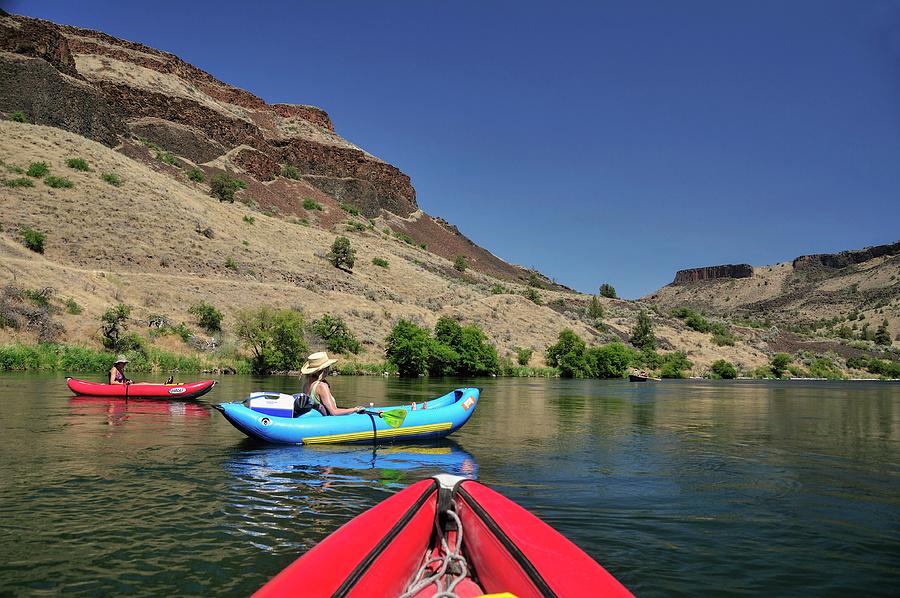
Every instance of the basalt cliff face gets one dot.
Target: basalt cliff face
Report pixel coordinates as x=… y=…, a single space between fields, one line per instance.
x=133 y=97
x=713 y=273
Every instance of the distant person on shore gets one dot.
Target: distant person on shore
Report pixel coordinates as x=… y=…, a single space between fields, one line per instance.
x=315 y=370
x=117 y=371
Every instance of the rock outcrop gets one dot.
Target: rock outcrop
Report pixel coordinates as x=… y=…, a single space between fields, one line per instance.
x=712 y=273
x=845 y=258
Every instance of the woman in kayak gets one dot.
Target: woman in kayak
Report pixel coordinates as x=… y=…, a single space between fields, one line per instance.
x=117 y=371
x=315 y=370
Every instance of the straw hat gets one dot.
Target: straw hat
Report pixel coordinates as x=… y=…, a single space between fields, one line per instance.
x=121 y=359
x=317 y=362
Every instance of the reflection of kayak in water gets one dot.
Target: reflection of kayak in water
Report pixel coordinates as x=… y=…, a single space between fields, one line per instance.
x=441 y=417
x=446 y=456
x=107 y=404
x=479 y=542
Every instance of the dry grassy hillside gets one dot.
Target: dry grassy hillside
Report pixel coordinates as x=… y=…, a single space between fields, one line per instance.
x=142 y=244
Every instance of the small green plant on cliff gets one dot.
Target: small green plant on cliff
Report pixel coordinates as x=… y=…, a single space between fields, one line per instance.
x=342 y=255
x=32 y=238
x=523 y=355
x=196 y=175
x=405 y=238
x=642 y=335
x=37 y=169
x=882 y=335
x=532 y=295
x=289 y=171
x=459 y=263
x=380 y=262
x=72 y=307
x=223 y=187
x=348 y=208
x=167 y=157
x=310 y=204
x=19 y=182
x=18 y=116
x=249 y=219
x=78 y=164
x=231 y=264
x=14 y=169
x=58 y=182
x=111 y=178
x=354 y=226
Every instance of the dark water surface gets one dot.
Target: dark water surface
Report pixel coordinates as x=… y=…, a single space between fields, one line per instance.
x=676 y=487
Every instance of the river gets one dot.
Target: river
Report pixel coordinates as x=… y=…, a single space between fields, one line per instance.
x=677 y=488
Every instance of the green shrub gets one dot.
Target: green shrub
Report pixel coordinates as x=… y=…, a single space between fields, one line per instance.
x=111 y=178
x=779 y=364
x=722 y=335
x=275 y=337
x=167 y=157
x=610 y=361
x=310 y=204
x=532 y=295
x=208 y=317
x=642 y=335
x=348 y=208
x=341 y=254
x=722 y=369
x=14 y=169
x=498 y=289
x=336 y=335
x=290 y=172
x=72 y=307
x=405 y=238
x=37 y=169
x=476 y=357
x=32 y=238
x=249 y=219
x=459 y=263
x=113 y=324
x=608 y=291
x=354 y=226
x=595 y=309
x=674 y=364
x=58 y=182
x=78 y=164
x=223 y=187
x=381 y=262
x=39 y=297
x=301 y=221
x=822 y=367
x=18 y=116
x=568 y=354
x=196 y=175
x=230 y=263
x=882 y=335
x=523 y=355
x=19 y=182
x=407 y=347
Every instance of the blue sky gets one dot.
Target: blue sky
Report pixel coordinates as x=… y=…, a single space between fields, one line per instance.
x=596 y=141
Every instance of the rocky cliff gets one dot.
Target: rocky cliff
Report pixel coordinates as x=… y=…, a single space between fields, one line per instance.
x=127 y=95
x=845 y=258
x=712 y=273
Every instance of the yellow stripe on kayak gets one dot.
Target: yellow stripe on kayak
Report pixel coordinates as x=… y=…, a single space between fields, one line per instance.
x=389 y=433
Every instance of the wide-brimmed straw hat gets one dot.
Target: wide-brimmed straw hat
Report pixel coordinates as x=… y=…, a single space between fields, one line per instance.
x=317 y=362
x=121 y=359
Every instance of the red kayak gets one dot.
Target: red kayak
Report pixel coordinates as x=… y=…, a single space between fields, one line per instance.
x=446 y=534
x=182 y=392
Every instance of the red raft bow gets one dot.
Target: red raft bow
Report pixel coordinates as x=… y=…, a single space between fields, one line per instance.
x=449 y=536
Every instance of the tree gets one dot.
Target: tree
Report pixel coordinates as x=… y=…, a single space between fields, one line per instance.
x=468 y=344
x=610 y=361
x=223 y=187
x=208 y=317
x=779 y=364
x=723 y=369
x=595 y=310
x=460 y=263
x=341 y=255
x=336 y=335
x=882 y=335
x=674 y=364
x=407 y=346
x=523 y=355
x=113 y=324
x=642 y=336
x=568 y=354
x=274 y=336
x=608 y=291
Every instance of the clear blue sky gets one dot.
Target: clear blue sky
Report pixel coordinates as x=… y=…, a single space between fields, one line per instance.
x=595 y=141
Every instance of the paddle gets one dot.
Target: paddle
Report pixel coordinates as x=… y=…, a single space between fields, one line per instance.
x=394 y=418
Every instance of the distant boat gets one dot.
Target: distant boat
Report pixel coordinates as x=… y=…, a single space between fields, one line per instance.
x=641 y=378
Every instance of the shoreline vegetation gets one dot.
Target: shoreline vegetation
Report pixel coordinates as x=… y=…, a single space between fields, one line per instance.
x=266 y=340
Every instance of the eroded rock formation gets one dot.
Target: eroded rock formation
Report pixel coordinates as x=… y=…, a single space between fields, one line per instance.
x=845 y=258
x=713 y=273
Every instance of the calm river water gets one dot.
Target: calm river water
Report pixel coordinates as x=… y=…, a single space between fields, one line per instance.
x=676 y=487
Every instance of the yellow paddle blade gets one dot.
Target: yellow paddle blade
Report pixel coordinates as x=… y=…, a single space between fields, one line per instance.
x=394 y=418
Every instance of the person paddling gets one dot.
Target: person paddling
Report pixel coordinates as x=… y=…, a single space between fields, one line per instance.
x=117 y=371
x=315 y=370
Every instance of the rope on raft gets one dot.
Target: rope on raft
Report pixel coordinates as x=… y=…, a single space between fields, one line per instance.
x=449 y=562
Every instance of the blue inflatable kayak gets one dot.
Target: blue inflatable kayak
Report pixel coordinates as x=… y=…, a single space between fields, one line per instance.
x=264 y=416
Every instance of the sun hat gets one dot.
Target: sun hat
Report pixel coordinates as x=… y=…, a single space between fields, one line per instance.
x=316 y=362
x=121 y=359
